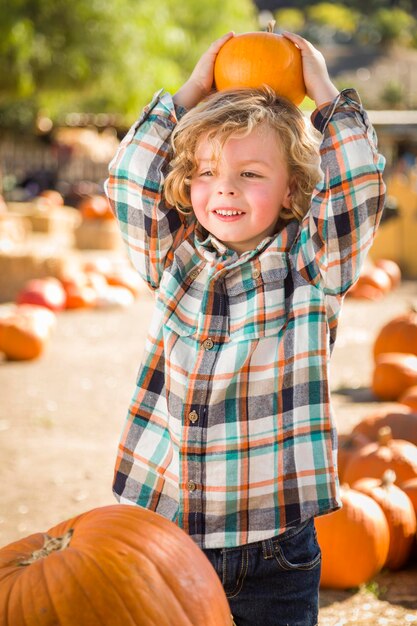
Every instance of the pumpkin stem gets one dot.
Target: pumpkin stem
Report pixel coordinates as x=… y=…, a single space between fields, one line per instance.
x=271 y=26
x=388 y=478
x=384 y=435
x=51 y=544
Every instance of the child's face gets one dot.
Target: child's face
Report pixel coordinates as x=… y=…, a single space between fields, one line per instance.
x=238 y=198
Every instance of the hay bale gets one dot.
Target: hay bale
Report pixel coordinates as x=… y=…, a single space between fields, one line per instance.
x=98 y=235
x=14 y=229
x=45 y=218
x=23 y=263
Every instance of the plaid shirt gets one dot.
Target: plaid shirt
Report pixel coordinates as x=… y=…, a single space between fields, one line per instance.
x=230 y=431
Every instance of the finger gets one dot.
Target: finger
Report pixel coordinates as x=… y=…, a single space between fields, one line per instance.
x=299 y=41
x=219 y=43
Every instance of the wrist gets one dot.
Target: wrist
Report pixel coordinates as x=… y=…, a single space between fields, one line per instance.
x=324 y=93
x=189 y=95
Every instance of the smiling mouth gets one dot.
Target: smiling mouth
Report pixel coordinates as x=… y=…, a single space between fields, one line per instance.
x=228 y=212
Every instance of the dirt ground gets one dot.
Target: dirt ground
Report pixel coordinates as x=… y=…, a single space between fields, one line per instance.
x=61 y=416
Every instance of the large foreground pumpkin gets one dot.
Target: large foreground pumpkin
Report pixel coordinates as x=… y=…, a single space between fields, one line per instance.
x=112 y=566
x=257 y=59
x=354 y=541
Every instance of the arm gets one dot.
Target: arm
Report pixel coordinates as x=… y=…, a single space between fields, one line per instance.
x=151 y=229
x=347 y=204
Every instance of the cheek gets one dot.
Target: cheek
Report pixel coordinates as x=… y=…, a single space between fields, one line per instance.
x=264 y=201
x=199 y=197
x=199 y=194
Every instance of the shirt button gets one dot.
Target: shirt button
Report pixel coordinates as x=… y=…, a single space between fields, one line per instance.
x=194 y=273
x=208 y=344
x=193 y=416
x=191 y=486
x=256 y=273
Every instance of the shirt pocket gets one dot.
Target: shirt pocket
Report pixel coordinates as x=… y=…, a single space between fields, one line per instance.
x=256 y=299
x=180 y=296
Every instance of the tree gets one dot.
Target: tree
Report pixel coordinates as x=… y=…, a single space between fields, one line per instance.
x=103 y=56
x=290 y=19
x=394 y=25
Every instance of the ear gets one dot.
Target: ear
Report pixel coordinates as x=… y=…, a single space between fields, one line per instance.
x=286 y=202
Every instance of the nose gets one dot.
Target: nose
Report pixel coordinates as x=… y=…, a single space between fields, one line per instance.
x=226 y=187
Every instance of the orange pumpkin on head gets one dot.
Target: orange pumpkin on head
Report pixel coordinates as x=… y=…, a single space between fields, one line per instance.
x=261 y=58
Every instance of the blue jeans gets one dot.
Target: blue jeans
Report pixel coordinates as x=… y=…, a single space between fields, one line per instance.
x=273 y=582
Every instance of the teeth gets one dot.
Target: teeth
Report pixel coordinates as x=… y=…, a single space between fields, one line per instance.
x=222 y=212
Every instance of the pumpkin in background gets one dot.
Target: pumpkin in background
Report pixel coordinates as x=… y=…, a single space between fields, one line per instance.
x=24 y=331
x=375 y=277
x=348 y=446
x=399 y=512
x=79 y=292
x=125 y=277
x=375 y=458
x=365 y=292
x=409 y=398
x=46 y=292
x=354 y=541
x=111 y=566
x=398 y=335
x=410 y=488
x=261 y=58
x=394 y=372
x=53 y=196
x=80 y=296
x=95 y=207
x=402 y=422
x=392 y=269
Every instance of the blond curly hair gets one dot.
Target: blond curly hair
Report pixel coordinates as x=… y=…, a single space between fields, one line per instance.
x=235 y=113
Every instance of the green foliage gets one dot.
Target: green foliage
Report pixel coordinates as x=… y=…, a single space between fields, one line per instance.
x=335 y=16
x=366 y=7
x=290 y=19
x=392 y=95
x=101 y=56
x=394 y=25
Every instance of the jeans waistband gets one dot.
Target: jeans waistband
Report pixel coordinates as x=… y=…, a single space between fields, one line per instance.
x=267 y=545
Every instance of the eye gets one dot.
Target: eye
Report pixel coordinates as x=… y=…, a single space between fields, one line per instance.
x=250 y=175
x=206 y=173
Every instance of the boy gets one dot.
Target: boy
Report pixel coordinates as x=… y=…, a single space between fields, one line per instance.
x=250 y=249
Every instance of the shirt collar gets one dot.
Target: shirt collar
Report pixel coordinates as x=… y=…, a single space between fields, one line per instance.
x=214 y=250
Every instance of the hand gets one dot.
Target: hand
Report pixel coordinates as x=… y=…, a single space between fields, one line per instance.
x=316 y=76
x=201 y=80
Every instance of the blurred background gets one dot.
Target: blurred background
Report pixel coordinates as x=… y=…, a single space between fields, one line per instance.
x=73 y=78
x=75 y=75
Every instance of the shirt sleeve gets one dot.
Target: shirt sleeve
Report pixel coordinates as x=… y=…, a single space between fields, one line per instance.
x=149 y=227
x=347 y=204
